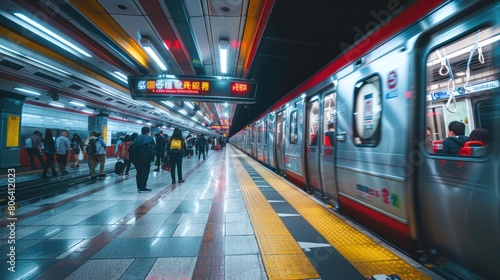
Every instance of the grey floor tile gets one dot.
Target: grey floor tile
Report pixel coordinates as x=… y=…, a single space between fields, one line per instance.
x=240 y=245
x=244 y=267
x=151 y=248
x=241 y=228
x=173 y=268
x=101 y=269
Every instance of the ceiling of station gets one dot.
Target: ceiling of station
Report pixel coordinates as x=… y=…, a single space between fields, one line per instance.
x=276 y=43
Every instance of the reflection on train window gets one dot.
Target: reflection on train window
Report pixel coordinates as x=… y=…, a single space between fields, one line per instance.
x=293 y=127
x=330 y=117
x=367 y=112
x=313 y=122
x=461 y=83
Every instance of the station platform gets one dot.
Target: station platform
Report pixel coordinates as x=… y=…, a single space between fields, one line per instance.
x=231 y=219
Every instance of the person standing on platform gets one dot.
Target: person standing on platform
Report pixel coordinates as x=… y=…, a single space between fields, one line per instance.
x=62 y=148
x=176 y=149
x=201 y=146
x=144 y=151
x=101 y=154
x=125 y=156
x=49 y=149
x=76 y=149
x=36 y=149
x=160 y=150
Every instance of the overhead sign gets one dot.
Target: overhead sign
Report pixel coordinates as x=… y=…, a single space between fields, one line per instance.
x=193 y=88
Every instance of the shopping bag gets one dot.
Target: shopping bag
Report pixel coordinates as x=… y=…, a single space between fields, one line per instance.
x=80 y=156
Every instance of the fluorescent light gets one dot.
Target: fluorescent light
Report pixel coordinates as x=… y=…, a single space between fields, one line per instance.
x=182 y=111
x=76 y=103
x=88 y=111
x=58 y=105
x=223 y=50
x=168 y=103
x=27 y=91
x=155 y=57
x=189 y=105
x=121 y=76
x=200 y=113
x=51 y=34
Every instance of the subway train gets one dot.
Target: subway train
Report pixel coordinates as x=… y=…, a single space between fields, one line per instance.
x=368 y=133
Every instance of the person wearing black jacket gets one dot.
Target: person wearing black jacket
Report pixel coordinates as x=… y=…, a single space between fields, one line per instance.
x=49 y=146
x=455 y=140
x=175 y=151
x=201 y=145
x=143 y=165
x=160 y=150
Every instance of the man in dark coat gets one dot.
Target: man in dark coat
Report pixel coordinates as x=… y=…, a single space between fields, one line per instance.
x=143 y=164
x=160 y=150
x=455 y=140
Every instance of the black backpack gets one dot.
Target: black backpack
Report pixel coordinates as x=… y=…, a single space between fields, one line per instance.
x=138 y=152
x=91 y=147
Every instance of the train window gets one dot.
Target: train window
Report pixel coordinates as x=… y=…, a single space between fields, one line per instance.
x=367 y=112
x=460 y=76
x=293 y=128
x=330 y=117
x=313 y=123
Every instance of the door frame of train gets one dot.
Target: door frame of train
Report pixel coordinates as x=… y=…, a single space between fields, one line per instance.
x=313 y=151
x=447 y=193
x=280 y=141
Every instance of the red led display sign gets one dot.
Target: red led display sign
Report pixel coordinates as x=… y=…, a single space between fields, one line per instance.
x=194 y=88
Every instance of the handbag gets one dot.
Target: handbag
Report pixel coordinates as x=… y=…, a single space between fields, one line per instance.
x=80 y=156
x=166 y=164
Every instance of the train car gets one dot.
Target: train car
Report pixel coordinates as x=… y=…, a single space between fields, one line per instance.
x=369 y=133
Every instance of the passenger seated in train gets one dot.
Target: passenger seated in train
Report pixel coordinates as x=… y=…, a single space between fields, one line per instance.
x=329 y=134
x=455 y=140
x=480 y=134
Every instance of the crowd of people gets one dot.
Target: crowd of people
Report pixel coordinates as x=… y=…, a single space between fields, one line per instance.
x=160 y=150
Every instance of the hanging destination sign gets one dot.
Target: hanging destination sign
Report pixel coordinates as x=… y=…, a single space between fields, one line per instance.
x=193 y=88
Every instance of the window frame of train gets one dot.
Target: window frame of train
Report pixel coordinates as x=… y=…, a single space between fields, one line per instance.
x=313 y=121
x=463 y=105
x=294 y=127
x=366 y=92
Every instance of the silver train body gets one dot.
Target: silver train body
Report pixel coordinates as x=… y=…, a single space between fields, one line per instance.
x=378 y=168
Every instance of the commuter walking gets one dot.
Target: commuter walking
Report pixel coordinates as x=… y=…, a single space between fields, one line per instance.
x=202 y=145
x=76 y=149
x=49 y=149
x=142 y=152
x=35 y=149
x=62 y=148
x=160 y=150
x=127 y=141
x=176 y=149
x=99 y=156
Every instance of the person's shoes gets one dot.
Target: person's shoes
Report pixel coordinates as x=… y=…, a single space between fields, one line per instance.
x=126 y=174
x=72 y=166
x=143 y=190
x=93 y=177
x=77 y=165
x=182 y=181
x=157 y=169
x=173 y=181
x=101 y=175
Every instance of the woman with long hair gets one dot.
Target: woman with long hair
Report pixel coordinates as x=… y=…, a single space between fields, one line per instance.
x=76 y=148
x=49 y=151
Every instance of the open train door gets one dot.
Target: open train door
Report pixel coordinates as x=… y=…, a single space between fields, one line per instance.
x=280 y=142
x=459 y=193
x=328 y=155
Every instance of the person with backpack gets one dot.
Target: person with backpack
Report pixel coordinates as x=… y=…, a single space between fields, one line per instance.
x=91 y=150
x=142 y=152
x=34 y=148
x=175 y=150
x=76 y=149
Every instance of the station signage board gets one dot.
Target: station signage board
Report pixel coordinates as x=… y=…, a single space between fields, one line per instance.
x=193 y=88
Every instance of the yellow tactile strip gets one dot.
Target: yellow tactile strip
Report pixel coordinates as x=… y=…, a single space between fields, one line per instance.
x=282 y=256
x=366 y=255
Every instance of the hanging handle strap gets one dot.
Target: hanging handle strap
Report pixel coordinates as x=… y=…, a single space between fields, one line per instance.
x=476 y=46
x=444 y=70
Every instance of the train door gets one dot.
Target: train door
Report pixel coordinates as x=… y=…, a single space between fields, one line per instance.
x=327 y=157
x=270 y=140
x=280 y=142
x=313 y=142
x=459 y=187
x=253 y=141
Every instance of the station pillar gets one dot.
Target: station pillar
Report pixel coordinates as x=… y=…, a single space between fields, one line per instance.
x=11 y=109
x=99 y=124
